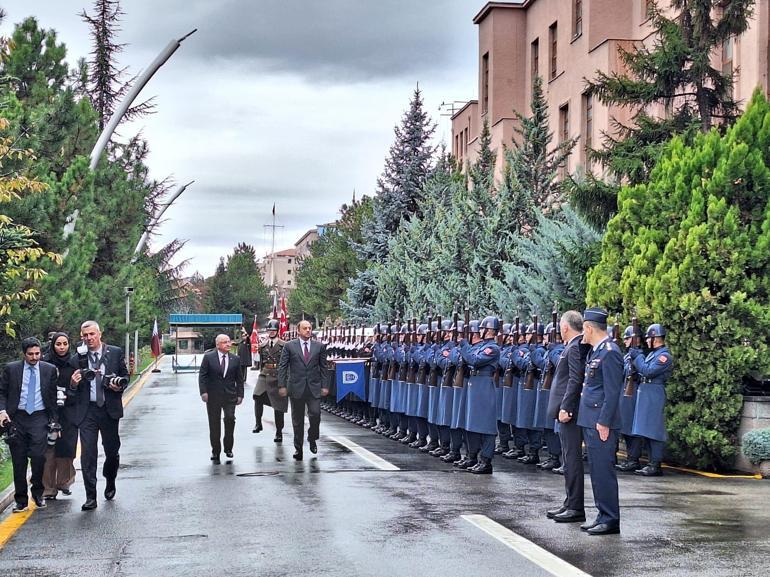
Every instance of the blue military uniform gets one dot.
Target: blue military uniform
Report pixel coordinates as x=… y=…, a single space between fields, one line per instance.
x=627 y=409
x=549 y=361
x=519 y=361
x=445 y=396
x=649 y=417
x=504 y=434
x=600 y=404
x=457 y=433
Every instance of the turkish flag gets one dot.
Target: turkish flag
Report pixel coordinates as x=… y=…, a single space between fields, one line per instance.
x=254 y=336
x=284 y=324
x=155 y=342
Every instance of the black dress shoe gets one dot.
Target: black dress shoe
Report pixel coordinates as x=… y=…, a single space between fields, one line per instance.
x=229 y=454
x=39 y=502
x=214 y=456
x=440 y=452
x=278 y=437
x=20 y=507
x=570 y=516
x=89 y=505
x=588 y=525
x=215 y=460
x=451 y=457
x=297 y=454
x=409 y=439
x=109 y=490
x=551 y=513
x=482 y=468
x=467 y=463
x=558 y=470
x=257 y=429
x=651 y=470
x=500 y=449
x=514 y=454
x=529 y=460
x=549 y=464
x=66 y=492
x=604 y=529
x=429 y=447
x=628 y=466
x=313 y=447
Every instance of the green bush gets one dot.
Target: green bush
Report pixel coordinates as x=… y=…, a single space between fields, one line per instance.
x=168 y=347
x=690 y=249
x=756 y=445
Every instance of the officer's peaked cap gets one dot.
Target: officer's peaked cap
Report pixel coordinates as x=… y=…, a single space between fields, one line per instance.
x=596 y=315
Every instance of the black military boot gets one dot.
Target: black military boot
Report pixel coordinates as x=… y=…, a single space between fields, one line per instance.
x=439 y=452
x=558 y=470
x=451 y=457
x=466 y=463
x=531 y=459
x=651 y=470
x=550 y=463
x=514 y=453
x=483 y=467
x=500 y=449
x=629 y=466
x=417 y=443
x=432 y=446
x=409 y=439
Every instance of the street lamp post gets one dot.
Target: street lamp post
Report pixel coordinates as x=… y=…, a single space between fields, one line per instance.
x=128 y=291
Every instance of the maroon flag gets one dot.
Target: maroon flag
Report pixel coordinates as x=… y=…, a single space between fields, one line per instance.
x=155 y=342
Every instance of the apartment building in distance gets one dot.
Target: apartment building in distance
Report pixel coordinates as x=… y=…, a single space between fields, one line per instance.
x=566 y=41
x=278 y=270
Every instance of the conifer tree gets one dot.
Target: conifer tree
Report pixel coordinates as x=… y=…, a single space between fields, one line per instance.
x=689 y=249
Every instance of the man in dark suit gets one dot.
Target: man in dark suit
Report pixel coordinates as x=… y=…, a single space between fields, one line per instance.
x=28 y=402
x=220 y=381
x=99 y=382
x=302 y=375
x=563 y=405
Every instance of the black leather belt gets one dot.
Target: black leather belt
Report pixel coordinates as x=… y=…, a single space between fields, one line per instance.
x=269 y=366
x=481 y=372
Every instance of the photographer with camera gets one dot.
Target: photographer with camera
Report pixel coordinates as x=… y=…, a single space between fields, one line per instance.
x=99 y=380
x=27 y=407
x=59 y=472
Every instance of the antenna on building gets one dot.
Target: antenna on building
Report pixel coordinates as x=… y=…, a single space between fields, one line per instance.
x=451 y=107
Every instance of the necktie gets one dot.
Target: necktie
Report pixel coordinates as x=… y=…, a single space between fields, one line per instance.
x=307 y=352
x=31 y=390
x=98 y=382
x=222 y=364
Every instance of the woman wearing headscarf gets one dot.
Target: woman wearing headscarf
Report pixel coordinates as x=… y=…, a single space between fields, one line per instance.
x=59 y=472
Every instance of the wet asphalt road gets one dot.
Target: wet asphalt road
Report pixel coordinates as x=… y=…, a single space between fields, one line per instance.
x=265 y=515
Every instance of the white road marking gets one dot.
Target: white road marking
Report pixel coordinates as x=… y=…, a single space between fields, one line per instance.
x=539 y=556
x=366 y=455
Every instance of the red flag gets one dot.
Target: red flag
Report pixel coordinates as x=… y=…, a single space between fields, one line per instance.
x=254 y=336
x=155 y=342
x=284 y=325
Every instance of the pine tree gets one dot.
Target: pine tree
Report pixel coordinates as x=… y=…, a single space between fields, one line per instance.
x=675 y=73
x=690 y=249
x=106 y=86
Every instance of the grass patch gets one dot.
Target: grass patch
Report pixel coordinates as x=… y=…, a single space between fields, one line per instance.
x=6 y=470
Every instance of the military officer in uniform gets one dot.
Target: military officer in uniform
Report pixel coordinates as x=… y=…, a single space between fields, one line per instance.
x=481 y=356
x=266 y=389
x=527 y=395
x=649 y=417
x=628 y=408
x=459 y=400
x=419 y=353
x=517 y=365
x=599 y=418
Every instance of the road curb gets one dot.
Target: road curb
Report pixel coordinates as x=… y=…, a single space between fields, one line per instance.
x=7 y=496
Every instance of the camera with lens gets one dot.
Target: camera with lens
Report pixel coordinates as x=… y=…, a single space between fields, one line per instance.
x=54 y=429
x=8 y=431
x=115 y=381
x=86 y=372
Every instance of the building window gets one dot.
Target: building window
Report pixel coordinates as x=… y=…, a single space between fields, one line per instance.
x=289 y=271
x=535 y=58
x=552 y=33
x=289 y=261
x=183 y=344
x=727 y=56
x=288 y=282
x=465 y=141
x=457 y=145
x=564 y=131
x=588 y=127
x=485 y=83
x=577 y=18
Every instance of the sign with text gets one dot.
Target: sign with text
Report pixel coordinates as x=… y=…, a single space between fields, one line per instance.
x=351 y=378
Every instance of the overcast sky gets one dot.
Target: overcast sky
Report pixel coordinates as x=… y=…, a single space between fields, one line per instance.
x=291 y=102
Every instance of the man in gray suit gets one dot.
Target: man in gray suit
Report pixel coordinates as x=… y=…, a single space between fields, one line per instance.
x=563 y=405
x=302 y=375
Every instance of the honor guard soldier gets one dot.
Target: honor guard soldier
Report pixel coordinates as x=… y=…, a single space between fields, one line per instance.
x=628 y=408
x=457 y=432
x=421 y=350
x=550 y=359
x=481 y=356
x=504 y=434
x=445 y=394
x=599 y=418
x=527 y=395
x=266 y=389
x=518 y=366
x=649 y=417
x=433 y=378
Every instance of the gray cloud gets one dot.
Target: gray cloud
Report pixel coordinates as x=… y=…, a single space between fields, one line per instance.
x=328 y=41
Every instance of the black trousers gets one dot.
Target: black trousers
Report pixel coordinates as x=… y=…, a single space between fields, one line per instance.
x=28 y=446
x=259 y=408
x=572 y=457
x=298 y=405
x=95 y=422
x=216 y=407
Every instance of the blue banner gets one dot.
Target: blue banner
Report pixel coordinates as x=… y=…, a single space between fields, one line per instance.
x=351 y=375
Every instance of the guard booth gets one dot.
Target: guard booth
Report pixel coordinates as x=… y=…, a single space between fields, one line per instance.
x=193 y=321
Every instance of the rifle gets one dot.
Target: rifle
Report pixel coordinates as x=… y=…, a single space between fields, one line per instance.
x=550 y=368
x=449 y=371
x=434 y=370
x=388 y=363
x=529 y=381
x=460 y=368
x=428 y=343
x=410 y=373
x=394 y=363
x=377 y=368
x=632 y=378
x=508 y=375
x=500 y=340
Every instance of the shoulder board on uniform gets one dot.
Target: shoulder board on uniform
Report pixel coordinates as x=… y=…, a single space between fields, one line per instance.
x=608 y=345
